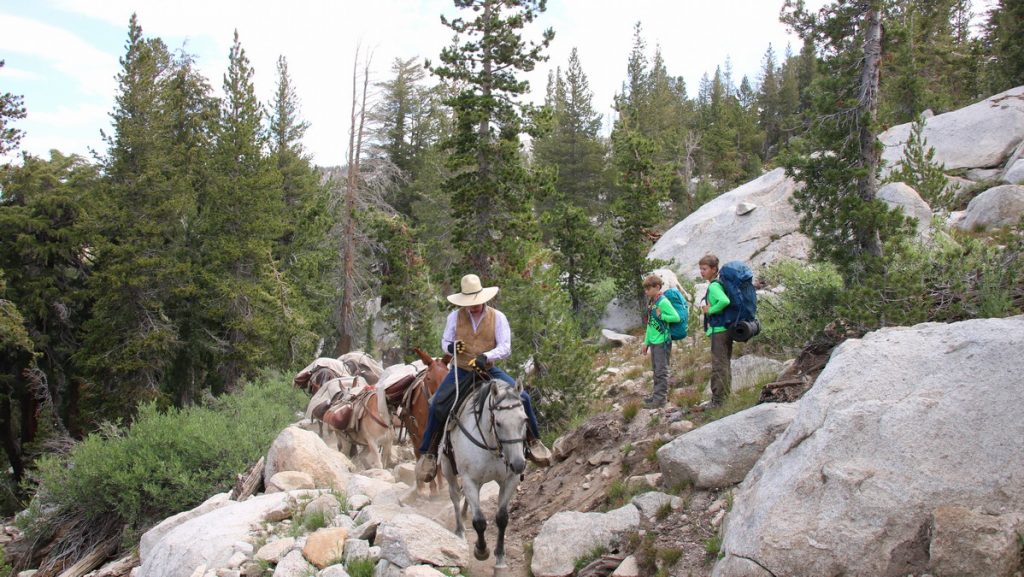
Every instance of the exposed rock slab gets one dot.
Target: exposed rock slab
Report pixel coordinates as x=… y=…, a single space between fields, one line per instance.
x=721 y=453
x=410 y=539
x=569 y=535
x=981 y=135
x=900 y=423
x=997 y=206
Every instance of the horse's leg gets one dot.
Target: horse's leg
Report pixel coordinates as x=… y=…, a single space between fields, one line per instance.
x=455 y=494
x=501 y=519
x=472 y=493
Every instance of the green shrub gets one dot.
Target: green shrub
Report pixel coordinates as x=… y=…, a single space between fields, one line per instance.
x=792 y=318
x=630 y=410
x=713 y=546
x=582 y=562
x=5 y=569
x=362 y=567
x=166 y=462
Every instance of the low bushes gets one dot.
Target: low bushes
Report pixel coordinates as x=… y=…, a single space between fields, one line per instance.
x=166 y=462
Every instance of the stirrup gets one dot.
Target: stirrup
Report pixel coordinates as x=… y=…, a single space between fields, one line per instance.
x=426 y=468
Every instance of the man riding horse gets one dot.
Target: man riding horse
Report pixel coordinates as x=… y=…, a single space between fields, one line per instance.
x=478 y=335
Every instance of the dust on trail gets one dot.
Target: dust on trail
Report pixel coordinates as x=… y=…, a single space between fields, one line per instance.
x=439 y=508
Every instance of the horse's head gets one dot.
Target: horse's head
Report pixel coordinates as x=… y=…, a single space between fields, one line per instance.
x=437 y=369
x=509 y=422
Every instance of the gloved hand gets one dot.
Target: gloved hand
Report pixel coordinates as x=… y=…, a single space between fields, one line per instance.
x=460 y=347
x=479 y=362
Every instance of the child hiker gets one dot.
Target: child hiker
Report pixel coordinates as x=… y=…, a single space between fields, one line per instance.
x=658 y=339
x=716 y=301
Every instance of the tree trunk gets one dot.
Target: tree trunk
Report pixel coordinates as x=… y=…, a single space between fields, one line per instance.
x=867 y=184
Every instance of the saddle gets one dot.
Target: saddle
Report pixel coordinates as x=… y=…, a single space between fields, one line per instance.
x=474 y=389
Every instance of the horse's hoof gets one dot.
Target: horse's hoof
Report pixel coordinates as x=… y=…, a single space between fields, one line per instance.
x=482 y=554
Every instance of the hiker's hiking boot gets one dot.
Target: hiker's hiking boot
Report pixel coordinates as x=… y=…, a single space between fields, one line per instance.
x=538 y=453
x=652 y=403
x=426 y=468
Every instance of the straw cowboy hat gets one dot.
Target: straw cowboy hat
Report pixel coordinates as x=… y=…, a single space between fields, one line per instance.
x=472 y=293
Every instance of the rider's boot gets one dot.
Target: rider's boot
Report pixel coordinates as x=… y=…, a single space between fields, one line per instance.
x=537 y=452
x=426 y=466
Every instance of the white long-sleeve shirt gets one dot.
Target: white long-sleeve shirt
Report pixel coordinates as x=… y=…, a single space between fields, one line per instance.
x=502 y=333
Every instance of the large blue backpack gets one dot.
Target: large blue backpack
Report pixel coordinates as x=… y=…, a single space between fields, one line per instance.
x=738 y=281
x=678 y=330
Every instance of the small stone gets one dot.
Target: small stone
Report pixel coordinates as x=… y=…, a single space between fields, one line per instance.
x=717 y=520
x=228 y=573
x=357 y=502
x=628 y=568
x=586 y=485
x=356 y=549
x=243 y=547
x=273 y=551
x=716 y=506
x=236 y=560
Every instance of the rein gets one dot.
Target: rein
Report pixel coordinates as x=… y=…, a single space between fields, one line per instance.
x=481 y=442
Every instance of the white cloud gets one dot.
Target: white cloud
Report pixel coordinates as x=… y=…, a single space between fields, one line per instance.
x=92 y=69
x=10 y=72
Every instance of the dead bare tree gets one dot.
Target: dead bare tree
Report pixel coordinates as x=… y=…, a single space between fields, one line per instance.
x=346 y=315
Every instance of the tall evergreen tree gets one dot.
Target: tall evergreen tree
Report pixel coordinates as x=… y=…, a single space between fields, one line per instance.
x=304 y=250
x=132 y=338
x=643 y=187
x=1004 y=39
x=245 y=301
x=573 y=145
x=838 y=206
x=11 y=108
x=491 y=190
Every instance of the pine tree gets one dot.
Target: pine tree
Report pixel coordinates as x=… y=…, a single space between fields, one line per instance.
x=11 y=108
x=491 y=189
x=643 y=185
x=245 y=299
x=304 y=250
x=132 y=339
x=919 y=170
x=1004 y=40
x=838 y=206
x=573 y=145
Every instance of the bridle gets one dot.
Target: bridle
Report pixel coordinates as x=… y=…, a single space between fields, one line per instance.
x=492 y=408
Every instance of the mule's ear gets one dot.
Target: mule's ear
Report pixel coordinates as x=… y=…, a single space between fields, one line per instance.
x=495 y=389
x=519 y=385
x=446 y=359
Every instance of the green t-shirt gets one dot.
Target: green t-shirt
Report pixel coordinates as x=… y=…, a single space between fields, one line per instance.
x=717 y=302
x=657 y=328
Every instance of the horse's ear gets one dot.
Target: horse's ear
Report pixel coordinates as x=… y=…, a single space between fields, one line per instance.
x=519 y=385
x=446 y=359
x=423 y=356
x=495 y=389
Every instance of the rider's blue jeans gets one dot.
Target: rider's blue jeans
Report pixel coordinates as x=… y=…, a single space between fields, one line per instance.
x=448 y=386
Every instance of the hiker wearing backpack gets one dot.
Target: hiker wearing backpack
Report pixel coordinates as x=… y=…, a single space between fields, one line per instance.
x=715 y=303
x=658 y=338
x=730 y=311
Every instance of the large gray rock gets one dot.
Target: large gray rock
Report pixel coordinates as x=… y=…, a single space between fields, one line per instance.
x=1015 y=173
x=759 y=237
x=721 y=453
x=997 y=206
x=899 y=424
x=569 y=535
x=297 y=450
x=209 y=538
x=899 y=195
x=154 y=535
x=749 y=370
x=410 y=539
x=754 y=223
x=619 y=316
x=981 y=135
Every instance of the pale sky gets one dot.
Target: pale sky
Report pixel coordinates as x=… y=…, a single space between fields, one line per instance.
x=62 y=55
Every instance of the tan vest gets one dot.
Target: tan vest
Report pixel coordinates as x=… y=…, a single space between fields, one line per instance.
x=481 y=341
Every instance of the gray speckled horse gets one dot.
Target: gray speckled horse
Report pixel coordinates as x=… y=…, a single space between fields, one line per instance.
x=487 y=445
